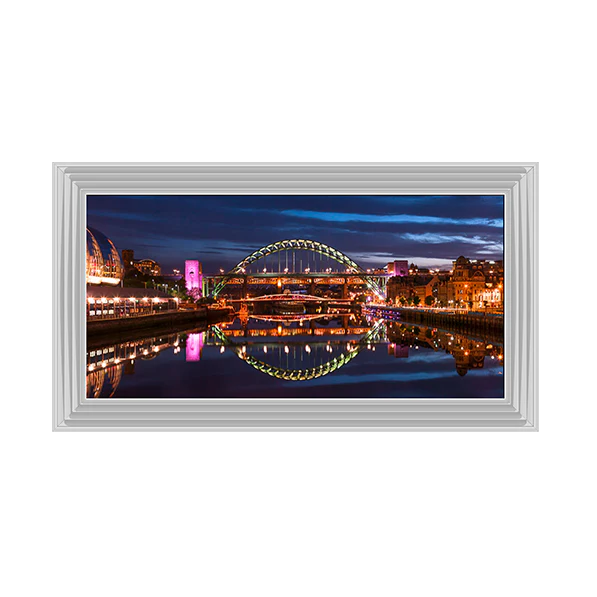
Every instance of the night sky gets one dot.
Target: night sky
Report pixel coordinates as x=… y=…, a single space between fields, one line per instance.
x=220 y=231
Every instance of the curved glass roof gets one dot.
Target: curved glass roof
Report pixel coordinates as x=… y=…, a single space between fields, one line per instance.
x=103 y=261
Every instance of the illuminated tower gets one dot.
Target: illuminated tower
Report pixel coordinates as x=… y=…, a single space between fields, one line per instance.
x=193 y=276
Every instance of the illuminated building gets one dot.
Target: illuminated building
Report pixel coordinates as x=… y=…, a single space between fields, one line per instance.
x=148 y=266
x=477 y=284
x=398 y=268
x=193 y=275
x=103 y=265
x=103 y=302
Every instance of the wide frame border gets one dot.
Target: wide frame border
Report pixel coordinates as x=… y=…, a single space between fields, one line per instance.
x=518 y=182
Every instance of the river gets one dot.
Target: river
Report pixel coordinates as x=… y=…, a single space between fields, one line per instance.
x=348 y=356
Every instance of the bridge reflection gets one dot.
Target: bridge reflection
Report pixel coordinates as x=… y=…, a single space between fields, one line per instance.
x=291 y=348
x=299 y=361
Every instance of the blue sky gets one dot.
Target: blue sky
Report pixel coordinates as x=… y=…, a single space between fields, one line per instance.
x=221 y=230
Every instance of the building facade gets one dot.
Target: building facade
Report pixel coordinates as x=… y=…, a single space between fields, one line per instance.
x=477 y=284
x=398 y=268
x=471 y=284
x=193 y=274
x=148 y=266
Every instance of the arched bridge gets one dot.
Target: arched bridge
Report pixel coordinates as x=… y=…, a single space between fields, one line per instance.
x=352 y=269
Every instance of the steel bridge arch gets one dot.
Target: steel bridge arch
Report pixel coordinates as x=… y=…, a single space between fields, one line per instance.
x=298 y=244
x=302 y=374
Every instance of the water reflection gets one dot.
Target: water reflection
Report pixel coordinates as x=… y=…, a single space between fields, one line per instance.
x=379 y=357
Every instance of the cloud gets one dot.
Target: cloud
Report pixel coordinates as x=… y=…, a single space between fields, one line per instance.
x=438 y=239
x=392 y=218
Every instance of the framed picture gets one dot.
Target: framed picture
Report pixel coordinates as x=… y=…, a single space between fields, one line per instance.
x=295 y=296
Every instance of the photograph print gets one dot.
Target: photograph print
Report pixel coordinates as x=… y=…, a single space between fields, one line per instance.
x=295 y=296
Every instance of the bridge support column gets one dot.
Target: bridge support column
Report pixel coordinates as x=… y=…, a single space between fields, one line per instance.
x=244 y=290
x=345 y=289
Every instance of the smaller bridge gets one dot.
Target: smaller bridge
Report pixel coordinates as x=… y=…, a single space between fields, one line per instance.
x=292 y=297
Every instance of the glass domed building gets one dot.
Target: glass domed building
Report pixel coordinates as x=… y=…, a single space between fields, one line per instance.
x=103 y=262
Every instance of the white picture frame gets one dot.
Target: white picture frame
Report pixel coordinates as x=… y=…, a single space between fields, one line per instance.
x=517 y=411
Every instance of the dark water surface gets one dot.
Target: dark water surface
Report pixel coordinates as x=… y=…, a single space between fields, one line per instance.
x=346 y=356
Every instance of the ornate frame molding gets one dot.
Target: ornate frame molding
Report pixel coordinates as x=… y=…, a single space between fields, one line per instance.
x=72 y=182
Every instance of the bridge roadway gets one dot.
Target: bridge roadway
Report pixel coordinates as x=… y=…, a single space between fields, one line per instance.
x=292 y=297
x=343 y=279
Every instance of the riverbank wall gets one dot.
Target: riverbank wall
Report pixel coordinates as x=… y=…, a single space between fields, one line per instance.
x=170 y=321
x=470 y=321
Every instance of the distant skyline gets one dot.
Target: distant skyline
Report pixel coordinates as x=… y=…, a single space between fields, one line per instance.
x=220 y=230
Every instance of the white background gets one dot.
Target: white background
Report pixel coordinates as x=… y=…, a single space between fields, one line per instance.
x=300 y=514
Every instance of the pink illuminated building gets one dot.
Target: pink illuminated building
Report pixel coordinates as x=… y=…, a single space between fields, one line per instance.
x=193 y=276
x=398 y=268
